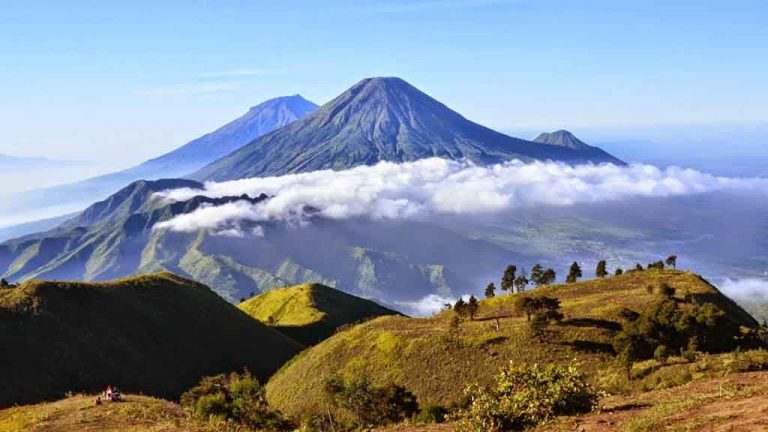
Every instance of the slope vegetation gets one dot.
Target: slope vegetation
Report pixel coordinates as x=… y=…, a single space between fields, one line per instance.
x=310 y=313
x=436 y=362
x=155 y=334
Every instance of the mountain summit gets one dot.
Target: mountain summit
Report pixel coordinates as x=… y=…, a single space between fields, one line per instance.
x=381 y=119
x=562 y=138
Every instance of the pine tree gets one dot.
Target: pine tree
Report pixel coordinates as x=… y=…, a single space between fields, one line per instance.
x=508 y=280
x=536 y=273
x=472 y=306
x=520 y=283
x=490 y=290
x=601 y=270
x=548 y=277
x=574 y=273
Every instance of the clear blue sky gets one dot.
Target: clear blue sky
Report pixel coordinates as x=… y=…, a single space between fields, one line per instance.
x=123 y=81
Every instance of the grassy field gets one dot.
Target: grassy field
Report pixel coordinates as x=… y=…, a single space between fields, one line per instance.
x=424 y=356
x=155 y=334
x=310 y=313
x=79 y=413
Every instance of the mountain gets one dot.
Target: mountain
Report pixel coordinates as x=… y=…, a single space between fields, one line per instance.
x=381 y=119
x=436 y=360
x=259 y=120
x=385 y=260
x=310 y=313
x=562 y=138
x=155 y=334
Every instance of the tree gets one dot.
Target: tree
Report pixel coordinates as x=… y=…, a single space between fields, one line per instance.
x=536 y=274
x=672 y=261
x=601 y=271
x=538 y=325
x=508 y=280
x=574 y=273
x=526 y=305
x=4 y=283
x=638 y=267
x=548 y=277
x=618 y=272
x=490 y=290
x=658 y=265
x=460 y=307
x=370 y=405
x=472 y=306
x=520 y=283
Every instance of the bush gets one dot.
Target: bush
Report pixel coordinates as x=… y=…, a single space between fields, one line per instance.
x=368 y=405
x=431 y=414
x=238 y=398
x=526 y=396
x=661 y=353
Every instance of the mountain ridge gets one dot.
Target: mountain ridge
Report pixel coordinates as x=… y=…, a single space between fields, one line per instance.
x=381 y=119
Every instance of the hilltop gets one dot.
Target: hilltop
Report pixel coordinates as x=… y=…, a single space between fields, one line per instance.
x=156 y=334
x=382 y=119
x=310 y=313
x=435 y=364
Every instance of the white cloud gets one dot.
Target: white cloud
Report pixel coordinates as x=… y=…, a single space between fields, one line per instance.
x=428 y=305
x=746 y=289
x=438 y=186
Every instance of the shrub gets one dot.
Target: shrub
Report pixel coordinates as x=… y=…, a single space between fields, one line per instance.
x=661 y=353
x=238 y=398
x=371 y=406
x=431 y=414
x=525 y=396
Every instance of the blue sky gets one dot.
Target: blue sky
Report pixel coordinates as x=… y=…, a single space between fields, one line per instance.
x=119 y=82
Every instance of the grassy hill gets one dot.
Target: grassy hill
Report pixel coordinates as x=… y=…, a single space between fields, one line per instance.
x=310 y=313
x=423 y=356
x=156 y=334
x=79 y=413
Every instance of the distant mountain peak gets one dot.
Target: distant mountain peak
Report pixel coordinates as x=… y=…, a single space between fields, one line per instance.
x=562 y=138
x=382 y=119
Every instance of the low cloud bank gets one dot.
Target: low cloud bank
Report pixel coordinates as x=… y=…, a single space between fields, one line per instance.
x=438 y=186
x=754 y=289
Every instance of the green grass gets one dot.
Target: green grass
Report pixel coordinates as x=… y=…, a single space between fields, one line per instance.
x=156 y=334
x=310 y=313
x=418 y=353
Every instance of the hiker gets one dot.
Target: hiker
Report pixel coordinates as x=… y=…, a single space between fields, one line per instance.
x=108 y=393
x=98 y=400
x=116 y=395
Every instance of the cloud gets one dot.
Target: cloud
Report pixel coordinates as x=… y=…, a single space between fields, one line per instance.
x=428 y=305
x=438 y=186
x=746 y=289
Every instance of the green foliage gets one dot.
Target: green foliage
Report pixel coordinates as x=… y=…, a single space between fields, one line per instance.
x=431 y=413
x=521 y=282
x=671 y=261
x=525 y=396
x=238 y=398
x=490 y=290
x=368 y=405
x=658 y=265
x=508 y=279
x=472 y=306
x=618 y=272
x=601 y=269
x=574 y=273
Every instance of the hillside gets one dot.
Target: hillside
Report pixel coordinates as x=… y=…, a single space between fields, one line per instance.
x=423 y=355
x=78 y=413
x=154 y=334
x=257 y=121
x=310 y=313
x=385 y=260
x=382 y=119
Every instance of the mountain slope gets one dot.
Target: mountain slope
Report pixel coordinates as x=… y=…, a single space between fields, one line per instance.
x=435 y=364
x=155 y=334
x=259 y=120
x=381 y=119
x=310 y=313
x=385 y=260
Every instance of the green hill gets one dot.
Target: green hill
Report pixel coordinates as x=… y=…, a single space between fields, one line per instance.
x=310 y=313
x=155 y=334
x=428 y=358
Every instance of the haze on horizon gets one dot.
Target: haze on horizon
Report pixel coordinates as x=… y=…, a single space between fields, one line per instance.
x=120 y=83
